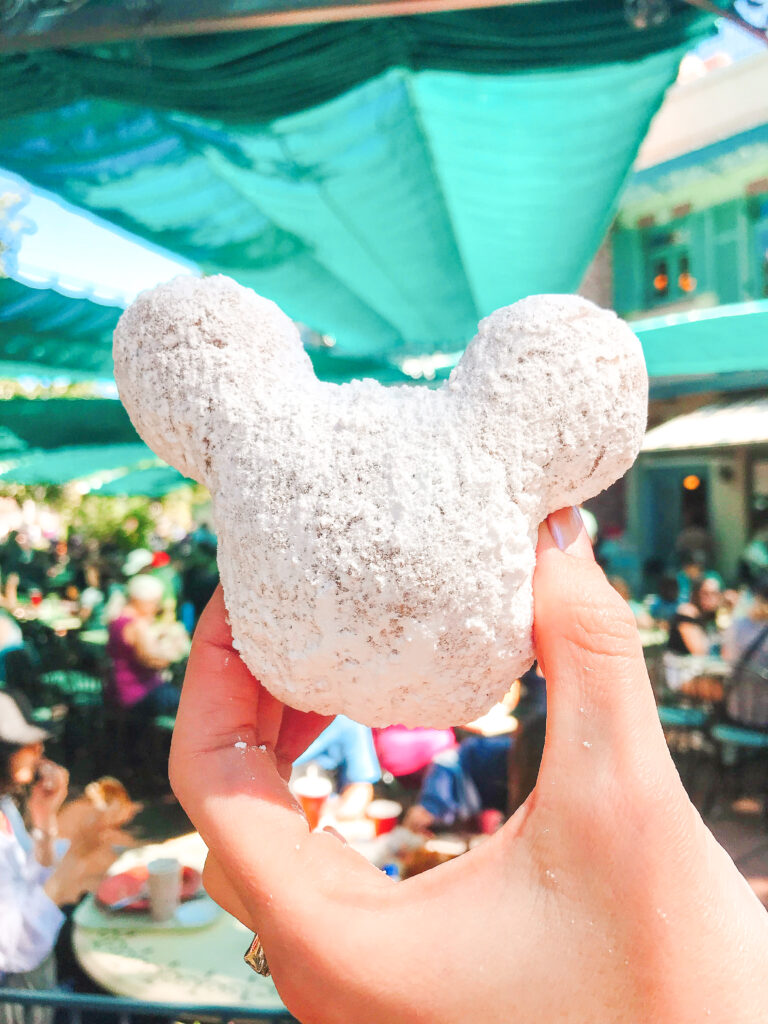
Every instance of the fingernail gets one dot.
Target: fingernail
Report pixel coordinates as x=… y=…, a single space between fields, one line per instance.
x=333 y=832
x=567 y=529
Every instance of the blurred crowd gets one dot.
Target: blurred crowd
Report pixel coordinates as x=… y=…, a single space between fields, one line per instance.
x=93 y=645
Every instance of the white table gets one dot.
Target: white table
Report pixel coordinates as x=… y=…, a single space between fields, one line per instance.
x=199 y=967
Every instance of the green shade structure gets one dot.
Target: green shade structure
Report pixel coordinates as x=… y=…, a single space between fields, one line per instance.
x=43 y=332
x=257 y=76
x=387 y=182
x=724 y=348
x=46 y=334
x=152 y=482
x=63 y=465
x=66 y=422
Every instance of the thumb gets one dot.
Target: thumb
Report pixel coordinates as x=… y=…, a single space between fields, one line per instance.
x=601 y=713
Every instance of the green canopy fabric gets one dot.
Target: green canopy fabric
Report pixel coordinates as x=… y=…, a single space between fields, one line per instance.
x=43 y=332
x=63 y=465
x=65 y=422
x=724 y=348
x=152 y=482
x=387 y=183
x=263 y=74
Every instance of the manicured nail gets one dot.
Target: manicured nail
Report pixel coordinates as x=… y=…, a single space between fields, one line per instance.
x=333 y=832
x=566 y=527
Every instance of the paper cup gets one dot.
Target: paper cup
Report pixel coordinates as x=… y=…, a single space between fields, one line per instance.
x=164 y=884
x=384 y=814
x=312 y=791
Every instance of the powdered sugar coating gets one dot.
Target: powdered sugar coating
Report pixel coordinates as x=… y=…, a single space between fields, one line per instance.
x=376 y=545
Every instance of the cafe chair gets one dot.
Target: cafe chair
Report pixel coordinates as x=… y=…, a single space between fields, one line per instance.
x=83 y=738
x=687 y=704
x=741 y=739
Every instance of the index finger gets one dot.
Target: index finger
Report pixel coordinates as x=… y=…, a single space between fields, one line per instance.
x=230 y=756
x=223 y=703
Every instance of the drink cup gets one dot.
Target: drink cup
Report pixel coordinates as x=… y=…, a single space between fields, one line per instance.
x=312 y=791
x=35 y=598
x=384 y=814
x=164 y=885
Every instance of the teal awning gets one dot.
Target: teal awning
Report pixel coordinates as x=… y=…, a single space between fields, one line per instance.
x=63 y=465
x=724 y=348
x=263 y=74
x=152 y=482
x=43 y=332
x=65 y=422
x=387 y=182
x=46 y=334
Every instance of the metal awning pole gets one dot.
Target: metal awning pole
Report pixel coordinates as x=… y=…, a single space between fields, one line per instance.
x=53 y=24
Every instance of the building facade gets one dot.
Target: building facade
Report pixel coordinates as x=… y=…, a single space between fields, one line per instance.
x=691 y=234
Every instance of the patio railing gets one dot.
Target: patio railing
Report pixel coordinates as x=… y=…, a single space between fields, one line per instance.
x=72 y=1007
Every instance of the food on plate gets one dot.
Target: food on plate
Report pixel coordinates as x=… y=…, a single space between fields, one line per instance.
x=107 y=791
x=128 y=890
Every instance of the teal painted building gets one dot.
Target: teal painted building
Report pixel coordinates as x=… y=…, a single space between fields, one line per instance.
x=693 y=232
x=691 y=235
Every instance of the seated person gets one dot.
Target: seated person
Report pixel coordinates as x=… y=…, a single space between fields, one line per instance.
x=746 y=629
x=139 y=653
x=463 y=782
x=39 y=873
x=693 y=629
x=693 y=644
x=692 y=572
x=666 y=601
x=346 y=748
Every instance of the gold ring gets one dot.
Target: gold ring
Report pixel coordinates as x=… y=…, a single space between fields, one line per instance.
x=256 y=958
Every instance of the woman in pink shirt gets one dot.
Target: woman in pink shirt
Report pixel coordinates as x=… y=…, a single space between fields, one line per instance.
x=137 y=656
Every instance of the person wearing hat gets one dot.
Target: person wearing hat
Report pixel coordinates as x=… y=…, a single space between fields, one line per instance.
x=39 y=873
x=137 y=560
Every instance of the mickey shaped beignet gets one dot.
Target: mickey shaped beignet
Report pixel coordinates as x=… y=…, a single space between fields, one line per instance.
x=377 y=544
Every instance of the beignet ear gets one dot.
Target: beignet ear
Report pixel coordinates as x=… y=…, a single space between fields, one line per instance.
x=560 y=391
x=188 y=354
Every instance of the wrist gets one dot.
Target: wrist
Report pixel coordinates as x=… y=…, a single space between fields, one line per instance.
x=53 y=890
x=48 y=831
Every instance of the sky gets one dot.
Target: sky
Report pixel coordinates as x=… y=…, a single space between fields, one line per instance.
x=110 y=266
x=103 y=263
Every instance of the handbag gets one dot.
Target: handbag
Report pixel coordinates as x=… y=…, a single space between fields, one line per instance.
x=746 y=700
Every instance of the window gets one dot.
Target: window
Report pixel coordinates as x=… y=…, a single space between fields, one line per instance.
x=669 y=276
x=661 y=279
x=686 y=282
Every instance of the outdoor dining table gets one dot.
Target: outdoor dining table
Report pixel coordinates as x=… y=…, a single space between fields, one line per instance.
x=200 y=966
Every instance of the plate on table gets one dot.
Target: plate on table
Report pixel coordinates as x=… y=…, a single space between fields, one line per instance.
x=128 y=890
x=193 y=914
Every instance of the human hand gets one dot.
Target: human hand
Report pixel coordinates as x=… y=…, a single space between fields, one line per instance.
x=81 y=818
x=604 y=899
x=81 y=868
x=47 y=794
